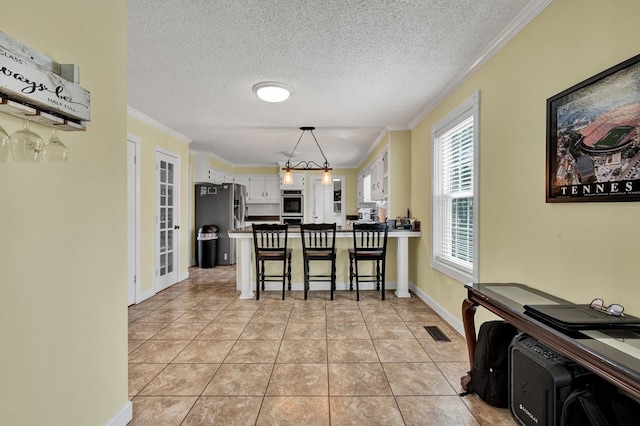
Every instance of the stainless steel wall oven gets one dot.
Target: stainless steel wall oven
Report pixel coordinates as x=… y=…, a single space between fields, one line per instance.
x=292 y=203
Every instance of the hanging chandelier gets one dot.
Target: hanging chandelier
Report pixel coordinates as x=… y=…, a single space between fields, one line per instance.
x=307 y=165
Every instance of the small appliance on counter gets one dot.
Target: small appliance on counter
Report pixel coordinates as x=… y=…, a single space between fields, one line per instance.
x=366 y=215
x=382 y=214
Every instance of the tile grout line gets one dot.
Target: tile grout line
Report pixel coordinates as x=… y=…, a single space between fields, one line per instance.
x=362 y=309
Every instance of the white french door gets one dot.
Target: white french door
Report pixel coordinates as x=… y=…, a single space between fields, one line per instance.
x=167 y=228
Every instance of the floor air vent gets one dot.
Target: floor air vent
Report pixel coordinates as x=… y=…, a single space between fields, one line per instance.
x=436 y=333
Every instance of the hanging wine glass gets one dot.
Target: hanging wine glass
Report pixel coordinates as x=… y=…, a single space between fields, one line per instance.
x=5 y=145
x=26 y=145
x=54 y=149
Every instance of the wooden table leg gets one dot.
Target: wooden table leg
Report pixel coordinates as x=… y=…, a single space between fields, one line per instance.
x=468 y=320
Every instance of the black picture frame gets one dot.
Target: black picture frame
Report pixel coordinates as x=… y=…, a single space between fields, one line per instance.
x=593 y=138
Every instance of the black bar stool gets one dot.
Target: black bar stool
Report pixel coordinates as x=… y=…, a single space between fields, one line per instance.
x=318 y=243
x=270 y=244
x=369 y=244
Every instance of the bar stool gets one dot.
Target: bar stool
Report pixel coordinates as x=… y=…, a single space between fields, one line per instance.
x=270 y=244
x=318 y=243
x=369 y=244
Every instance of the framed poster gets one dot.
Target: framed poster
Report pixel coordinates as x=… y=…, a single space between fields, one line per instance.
x=593 y=146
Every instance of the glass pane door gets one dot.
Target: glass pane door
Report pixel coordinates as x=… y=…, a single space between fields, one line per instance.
x=167 y=229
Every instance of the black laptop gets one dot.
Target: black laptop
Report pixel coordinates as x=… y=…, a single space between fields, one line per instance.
x=579 y=317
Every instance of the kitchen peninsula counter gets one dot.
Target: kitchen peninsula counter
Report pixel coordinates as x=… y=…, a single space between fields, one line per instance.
x=397 y=270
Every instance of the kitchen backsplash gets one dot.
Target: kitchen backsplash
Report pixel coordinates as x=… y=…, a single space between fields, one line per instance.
x=263 y=209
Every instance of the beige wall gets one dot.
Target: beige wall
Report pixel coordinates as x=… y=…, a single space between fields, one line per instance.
x=152 y=139
x=63 y=304
x=63 y=261
x=398 y=144
x=400 y=174
x=220 y=164
x=350 y=196
x=563 y=249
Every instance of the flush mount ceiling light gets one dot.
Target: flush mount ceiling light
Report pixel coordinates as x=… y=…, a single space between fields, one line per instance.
x=271 y=91
x=307 y=165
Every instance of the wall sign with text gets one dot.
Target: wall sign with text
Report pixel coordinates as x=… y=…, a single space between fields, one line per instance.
x=28 y=77
x=593 y=138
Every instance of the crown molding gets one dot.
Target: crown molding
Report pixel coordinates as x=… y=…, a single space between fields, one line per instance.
x=153 y=123
x=214 y=156
x=527 y=14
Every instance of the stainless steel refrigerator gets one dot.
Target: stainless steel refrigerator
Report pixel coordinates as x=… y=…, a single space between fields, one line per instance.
x=223 y=206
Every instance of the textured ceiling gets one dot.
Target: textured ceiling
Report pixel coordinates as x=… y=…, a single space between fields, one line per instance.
x=356 y=67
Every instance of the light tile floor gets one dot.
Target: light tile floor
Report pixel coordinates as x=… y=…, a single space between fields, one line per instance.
x=200 y=356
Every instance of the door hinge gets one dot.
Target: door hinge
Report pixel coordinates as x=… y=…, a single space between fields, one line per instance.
x=135 y=279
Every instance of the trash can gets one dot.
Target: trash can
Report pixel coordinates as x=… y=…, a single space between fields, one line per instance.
x=207 y=246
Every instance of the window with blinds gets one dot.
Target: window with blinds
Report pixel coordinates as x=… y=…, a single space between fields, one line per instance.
x=454 y=192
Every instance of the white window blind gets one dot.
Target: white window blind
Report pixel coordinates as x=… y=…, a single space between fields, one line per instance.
x=454 y=141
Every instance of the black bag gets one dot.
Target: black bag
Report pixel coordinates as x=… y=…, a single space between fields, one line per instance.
x=599 y=404
x=489 y=377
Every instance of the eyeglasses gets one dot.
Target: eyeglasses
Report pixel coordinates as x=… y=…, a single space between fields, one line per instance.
x=614 y=309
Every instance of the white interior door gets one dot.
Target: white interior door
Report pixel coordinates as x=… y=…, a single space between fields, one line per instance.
x=167 y=228
x=133 y=218
x=322 y=208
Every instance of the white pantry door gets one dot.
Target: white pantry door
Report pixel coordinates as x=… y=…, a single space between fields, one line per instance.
x=322 y=208
x=167 y=228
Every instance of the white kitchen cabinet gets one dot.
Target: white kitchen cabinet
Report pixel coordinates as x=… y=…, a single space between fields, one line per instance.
x=201 y=168
x=364 y=187
x=361 y=187
x=204 y=173
x=264 y=189
x=218 y=177
x=379 y=177
x=242 y=180
x=272 y=189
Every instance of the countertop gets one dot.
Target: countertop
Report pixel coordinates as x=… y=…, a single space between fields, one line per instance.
x=257 y=218
x=339 y=230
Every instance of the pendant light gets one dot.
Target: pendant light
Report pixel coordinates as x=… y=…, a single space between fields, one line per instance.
x=307 y=165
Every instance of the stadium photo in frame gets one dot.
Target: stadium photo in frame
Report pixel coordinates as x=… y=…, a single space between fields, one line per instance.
x=593 y=138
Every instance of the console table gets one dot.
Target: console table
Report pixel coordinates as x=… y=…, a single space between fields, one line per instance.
x=611 y=354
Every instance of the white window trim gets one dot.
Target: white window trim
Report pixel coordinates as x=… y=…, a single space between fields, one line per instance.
x=470 y=107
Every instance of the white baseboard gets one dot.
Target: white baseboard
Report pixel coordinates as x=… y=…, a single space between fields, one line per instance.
x=145 y=295
x=151 y=292
x=122 y=417
x=444 y=314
